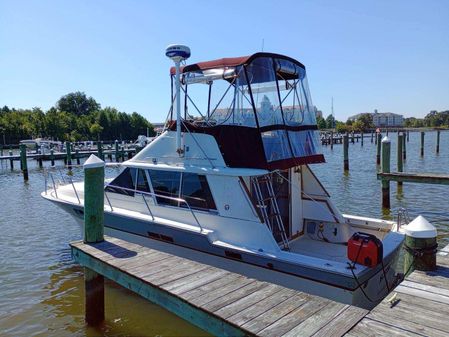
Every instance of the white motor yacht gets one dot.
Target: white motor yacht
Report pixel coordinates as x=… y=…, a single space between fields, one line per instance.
x=229 y=183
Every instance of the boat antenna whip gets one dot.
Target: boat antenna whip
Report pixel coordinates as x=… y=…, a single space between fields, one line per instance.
x=178 y=53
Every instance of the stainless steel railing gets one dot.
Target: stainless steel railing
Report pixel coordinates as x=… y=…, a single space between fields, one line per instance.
x=55 y=186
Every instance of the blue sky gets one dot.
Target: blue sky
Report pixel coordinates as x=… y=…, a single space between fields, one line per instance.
x=389 y=55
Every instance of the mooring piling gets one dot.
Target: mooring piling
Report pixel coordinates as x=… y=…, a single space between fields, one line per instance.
x=23 y=161
x=100 y=150
x=11 y=161
x=52 y=157
x=404 y=149
x=346 y=152
x=438 y=142
x=332 y=140
x=408 y=135
x=400 y=153
x=68 y=154
x=372 y=137
x=93 y=233
x=117 y=157
x=77 y=155
x=422 y=143
x=378 y=143
x=420 y=246
x=361 y=140
x=385 y=168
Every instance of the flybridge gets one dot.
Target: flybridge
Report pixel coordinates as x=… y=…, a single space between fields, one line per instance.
x=257 y=107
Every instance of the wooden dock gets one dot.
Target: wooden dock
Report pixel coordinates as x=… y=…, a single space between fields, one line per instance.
x=419 y=308
x=218 y=301
x=409 y=177
x=228 y=304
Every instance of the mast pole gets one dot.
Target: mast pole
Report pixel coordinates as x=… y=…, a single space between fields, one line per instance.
x=178 y=109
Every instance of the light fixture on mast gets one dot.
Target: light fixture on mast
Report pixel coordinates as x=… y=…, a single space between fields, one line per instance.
x=178 y=53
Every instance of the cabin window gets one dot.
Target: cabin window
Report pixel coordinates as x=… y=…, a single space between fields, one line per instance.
x=165 y=183
x=275 y=144
x=195 y=190
x=142 y=182
x=124 y=183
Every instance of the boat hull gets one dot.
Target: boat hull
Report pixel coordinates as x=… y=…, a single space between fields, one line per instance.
x=365 y=293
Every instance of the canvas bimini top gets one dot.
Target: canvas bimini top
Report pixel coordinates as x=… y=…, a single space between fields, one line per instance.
x=257 y=107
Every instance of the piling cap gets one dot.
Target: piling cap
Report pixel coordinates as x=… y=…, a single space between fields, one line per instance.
x=420 y=228
x=386 y=139
x=92 y=162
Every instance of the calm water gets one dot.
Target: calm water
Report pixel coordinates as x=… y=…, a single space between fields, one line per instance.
x=41 y=289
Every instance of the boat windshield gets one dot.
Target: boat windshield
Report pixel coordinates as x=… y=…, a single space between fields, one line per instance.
x=265 y=92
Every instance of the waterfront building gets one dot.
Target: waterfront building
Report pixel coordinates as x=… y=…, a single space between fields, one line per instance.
x=382 y=119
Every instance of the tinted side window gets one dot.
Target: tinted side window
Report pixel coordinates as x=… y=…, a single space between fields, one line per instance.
x=195 y=190
x=126 y=179
x=142 y=182
x=166 y=183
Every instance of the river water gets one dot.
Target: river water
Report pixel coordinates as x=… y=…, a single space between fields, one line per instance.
x=41 y=289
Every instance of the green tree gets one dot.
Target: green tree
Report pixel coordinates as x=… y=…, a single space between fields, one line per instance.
x=77 y=103
x=321 y=123
x=330 y=122
x=95 y=130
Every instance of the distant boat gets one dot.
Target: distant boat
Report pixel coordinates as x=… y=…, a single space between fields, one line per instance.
x=41 y=144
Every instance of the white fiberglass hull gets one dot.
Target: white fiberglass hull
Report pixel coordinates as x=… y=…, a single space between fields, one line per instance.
x=374 y=289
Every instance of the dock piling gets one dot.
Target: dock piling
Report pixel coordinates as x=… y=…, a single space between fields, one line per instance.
x=117 y=157
x=52 y=157
x=378 y=143
x=93 y=233
x=385 y=168
x=408 y=135
x=400 y=155
x=372 y=137
x=438 y=142
x=77 y=155
x=361 y=140
x=420 y=246
x=23 y=161
x=11 y=161
x=404 y=149
x=332 y=140
x=68 y=153
x=422 y=143
x=345 y=153
x=100 y=150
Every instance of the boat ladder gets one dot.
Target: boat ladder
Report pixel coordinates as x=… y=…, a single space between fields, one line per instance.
x=269 y=207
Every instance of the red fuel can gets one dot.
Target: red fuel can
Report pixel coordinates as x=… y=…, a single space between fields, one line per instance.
x=365 y=249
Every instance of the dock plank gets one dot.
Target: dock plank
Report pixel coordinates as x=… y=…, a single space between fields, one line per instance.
x=261 y=307
x=264 y=320
x=371 y=328
x=292 y=319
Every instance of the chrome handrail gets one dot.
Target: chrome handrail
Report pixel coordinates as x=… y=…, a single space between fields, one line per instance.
x=76 y=193
x=155 y=195
x=148 y=207
x=109 y=201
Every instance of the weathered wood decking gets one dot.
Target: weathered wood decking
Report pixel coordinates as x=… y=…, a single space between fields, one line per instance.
x=229 y=304
x=221 y=302
x=419 y=308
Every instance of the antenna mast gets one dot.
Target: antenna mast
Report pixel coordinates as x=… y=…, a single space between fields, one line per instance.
x=178 y=53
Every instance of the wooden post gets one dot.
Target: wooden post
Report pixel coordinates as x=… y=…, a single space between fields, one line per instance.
x=361 y=141
x=404 y=149
x=1 y=150
x=385 y=168
x=345 y=153
x=378 y=142
x=372 y=137
x=77 y=155
x=116 y=152
x=376 y=138
x=422 y=143
x=93 y=232
x=122 y=153
x=352 y=137
x=100 y=150
x=438 y=141
x=400 y=155
x=23 y=161
x=39 y=160
x=420 y=246
x=387 y=132
x=68 y=153
x=332 y=140
x=52 y=157
x=11 y=161
x=408 y=135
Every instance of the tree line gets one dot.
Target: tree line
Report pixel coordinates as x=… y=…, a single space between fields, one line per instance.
x=365 y=122
x=75 y=117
